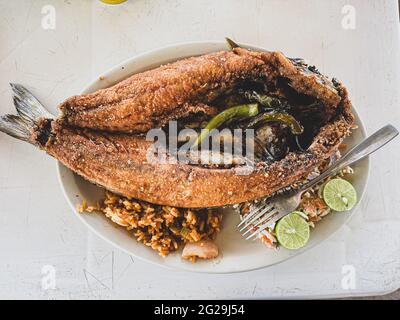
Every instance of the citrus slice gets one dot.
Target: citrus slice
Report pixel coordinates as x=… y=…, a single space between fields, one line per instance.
x=339 y=195
x=292 y=231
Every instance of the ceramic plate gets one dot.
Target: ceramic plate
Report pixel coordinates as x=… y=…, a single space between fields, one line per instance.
x=236 y=254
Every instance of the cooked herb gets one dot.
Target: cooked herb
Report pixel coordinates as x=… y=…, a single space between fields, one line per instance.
x=296 y=138
x=262 y=99
x=295 y=127
x=269 y=103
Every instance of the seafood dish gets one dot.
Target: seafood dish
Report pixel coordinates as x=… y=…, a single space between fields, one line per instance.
x=298 y=118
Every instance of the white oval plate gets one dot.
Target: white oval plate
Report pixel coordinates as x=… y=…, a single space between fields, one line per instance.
x=236 y=254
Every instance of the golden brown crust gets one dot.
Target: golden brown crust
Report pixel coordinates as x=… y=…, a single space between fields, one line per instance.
x=152 y=98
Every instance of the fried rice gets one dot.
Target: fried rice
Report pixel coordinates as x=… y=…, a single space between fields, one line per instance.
x=162 y=228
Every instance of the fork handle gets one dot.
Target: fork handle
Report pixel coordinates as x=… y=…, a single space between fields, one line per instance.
x=360 y=151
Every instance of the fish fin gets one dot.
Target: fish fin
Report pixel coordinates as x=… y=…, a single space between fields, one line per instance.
x=28 y=106
x=16 y=127
x=231 y=44
x=30 y=112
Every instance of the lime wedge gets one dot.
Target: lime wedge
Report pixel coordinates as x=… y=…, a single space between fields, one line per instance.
x=339 y=195
x=292 y=231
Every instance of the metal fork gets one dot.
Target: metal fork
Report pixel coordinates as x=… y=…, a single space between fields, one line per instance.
x=267 y=212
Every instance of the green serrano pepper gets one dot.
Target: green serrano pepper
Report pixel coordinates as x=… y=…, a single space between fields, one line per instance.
x=283 y=117
x=236 y=112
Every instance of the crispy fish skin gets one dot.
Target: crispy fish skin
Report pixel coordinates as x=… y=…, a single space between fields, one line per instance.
x=150 y=99
x=118 y=162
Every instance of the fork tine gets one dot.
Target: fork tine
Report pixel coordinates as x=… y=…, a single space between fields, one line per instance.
x=251 y=214
x=251 y=228
x=263 y=209
x=266 y=217
x=260 y=215
x=272 y=220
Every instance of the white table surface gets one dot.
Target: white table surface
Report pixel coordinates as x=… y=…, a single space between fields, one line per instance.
x=37 y=228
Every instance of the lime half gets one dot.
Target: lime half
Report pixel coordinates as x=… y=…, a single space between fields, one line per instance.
x=292 y=231
x=339 y=195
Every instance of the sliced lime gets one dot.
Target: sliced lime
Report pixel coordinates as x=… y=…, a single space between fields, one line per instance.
x=292 y=231
x=339 y=195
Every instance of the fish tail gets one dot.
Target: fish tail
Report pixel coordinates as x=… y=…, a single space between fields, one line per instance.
x=27 y=105
x=15 y=126
x=30 y=113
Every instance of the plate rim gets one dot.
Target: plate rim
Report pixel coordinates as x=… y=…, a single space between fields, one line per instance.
x=183 y=266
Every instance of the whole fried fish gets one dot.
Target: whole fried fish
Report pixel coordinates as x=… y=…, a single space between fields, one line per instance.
x=119 y=162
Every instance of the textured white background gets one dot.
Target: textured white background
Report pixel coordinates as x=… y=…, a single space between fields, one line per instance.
x=36 y=226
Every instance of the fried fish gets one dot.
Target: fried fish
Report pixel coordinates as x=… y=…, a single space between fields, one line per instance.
x=98 y=135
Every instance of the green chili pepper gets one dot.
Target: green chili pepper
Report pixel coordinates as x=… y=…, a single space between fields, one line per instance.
x=240 y=111
x=295 y=127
